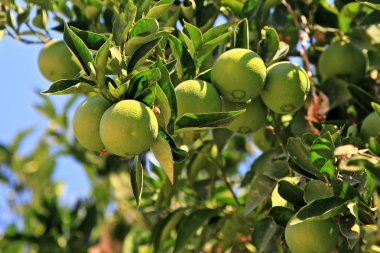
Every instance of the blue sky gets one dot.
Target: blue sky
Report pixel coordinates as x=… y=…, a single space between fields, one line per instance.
x=20 y=80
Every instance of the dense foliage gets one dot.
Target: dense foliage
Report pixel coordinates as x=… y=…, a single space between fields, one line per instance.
x=306 y=178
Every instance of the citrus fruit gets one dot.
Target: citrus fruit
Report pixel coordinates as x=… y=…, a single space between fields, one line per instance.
x=251 y=120
x=86 y=122
x=342 y=59
x=238 y=74
x=319 y=236
x=128 y=128
x=197 y=96
x=286 y=87
x=56 y=61
x=265 y=140
x=370 y=126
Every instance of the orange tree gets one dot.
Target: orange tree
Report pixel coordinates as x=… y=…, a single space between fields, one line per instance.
x=163 y=80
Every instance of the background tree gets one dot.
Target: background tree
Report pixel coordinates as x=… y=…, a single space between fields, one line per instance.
x=314 y=186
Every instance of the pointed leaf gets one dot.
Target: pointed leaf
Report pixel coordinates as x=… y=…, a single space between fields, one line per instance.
x=162 y=151
x=206 y=120
x=144 y=26
x=301 y=156
x=137 y=179
x=269 y=44
x=321 y=209
x=159 y=8
x=167 y=87
x=140 y=55
x=242 y=35
x=66 y=86
x=79 y=48
x=123 y=23
x=316 y=189
x=92 y=40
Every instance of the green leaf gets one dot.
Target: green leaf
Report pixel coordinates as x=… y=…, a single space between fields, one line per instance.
x=123 y=23
x=141 y=81
x=167 y=87
x=66 y=86
x=322 y=154
x=190 y=121
x=281 y=215
x=148 y=95
x=269 y=44
x=136 y=42
x=79 y=48
x=92 y=40
x=321 y=209
x=162 y=151
x=185 y=64
x=195 y=35
x=259 y=165
x=164 y=227
x=242 y=35
x=348 y=14
x=144 y=26
x=101 y=67
x=161 y=101
x=375 y=4
x=282 y=51
x=316 y=189
x=217 y=31
x=141 y=55
x=301 y=156
x=208 y=47
x=190 y=225
x=372 y=18
x=290 y=192
x=261 y=188
x=178 y=154
x=376 y=107
x=263 y=232
x=349 y=227
x=159 y=8
x=137 y=179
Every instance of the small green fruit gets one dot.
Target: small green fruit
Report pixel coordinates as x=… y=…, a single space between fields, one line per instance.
x=86 y=122
x=56 y=61
x=128 y=128
x=370 y=126
x=286 y=87
x=251 y=120
x=239 y=74
x=342 y=59
x=319 y=236
x=197 y=96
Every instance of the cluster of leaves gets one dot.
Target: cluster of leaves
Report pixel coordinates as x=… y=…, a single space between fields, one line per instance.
x=321 y=168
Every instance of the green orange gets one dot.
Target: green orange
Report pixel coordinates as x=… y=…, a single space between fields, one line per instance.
x=286 y=87
x=86 y=122
x=239 y=74
x=344 y=60
x=197 y=96
x=56 y=61
x=370 y=126
x=128 y=128
x=319 y=236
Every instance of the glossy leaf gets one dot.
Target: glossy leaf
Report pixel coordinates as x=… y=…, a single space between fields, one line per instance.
x=269 y=44
x=301 y=156
x=206 y=120
x=140 y=55
x=92 y=40
x=137 y=179
x=162 y=151
x=68 y=87
x=79 y=48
